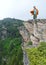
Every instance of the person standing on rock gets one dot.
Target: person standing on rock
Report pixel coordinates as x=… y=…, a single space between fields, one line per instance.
x=34 y=12
x=34 y=37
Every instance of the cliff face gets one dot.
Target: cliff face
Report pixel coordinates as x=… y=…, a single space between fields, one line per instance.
x=42 y=31
x=29 y=28
x=25 y=34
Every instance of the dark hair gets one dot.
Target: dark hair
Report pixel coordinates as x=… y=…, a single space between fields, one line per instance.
x=34 y=6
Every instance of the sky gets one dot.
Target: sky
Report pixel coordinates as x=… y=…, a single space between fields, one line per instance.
x=20 y=9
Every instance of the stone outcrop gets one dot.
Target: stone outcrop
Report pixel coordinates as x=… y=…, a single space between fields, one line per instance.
x=38 y=30
x=29 y=26
x=25 y=34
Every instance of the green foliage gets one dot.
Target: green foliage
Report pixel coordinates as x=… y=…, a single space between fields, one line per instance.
x=37 y=55
x=10 y=49
x=30 y=43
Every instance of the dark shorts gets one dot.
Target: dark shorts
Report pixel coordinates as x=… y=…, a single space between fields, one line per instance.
x=34 y=16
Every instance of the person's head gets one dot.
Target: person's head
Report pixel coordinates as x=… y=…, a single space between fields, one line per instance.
x=34 y=7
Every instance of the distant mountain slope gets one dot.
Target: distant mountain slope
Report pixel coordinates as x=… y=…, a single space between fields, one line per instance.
x=7 y=21
x=8 y=25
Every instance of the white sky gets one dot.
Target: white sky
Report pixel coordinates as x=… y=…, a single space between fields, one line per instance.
x=20 y=9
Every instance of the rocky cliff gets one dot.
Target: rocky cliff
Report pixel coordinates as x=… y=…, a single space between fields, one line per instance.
x=28 y=29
